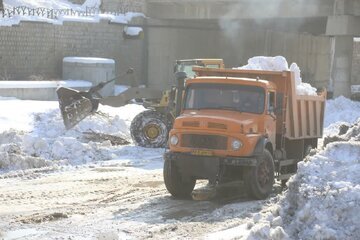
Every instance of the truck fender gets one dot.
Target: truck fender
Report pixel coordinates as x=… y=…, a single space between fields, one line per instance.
x=260 y=146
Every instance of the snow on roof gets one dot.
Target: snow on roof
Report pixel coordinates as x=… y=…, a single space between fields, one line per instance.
x=63 y=4
x=44 y=84
x=88 y=60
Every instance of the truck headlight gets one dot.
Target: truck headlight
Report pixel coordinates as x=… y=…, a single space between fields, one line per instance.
x=236 y=144
x=174 y=140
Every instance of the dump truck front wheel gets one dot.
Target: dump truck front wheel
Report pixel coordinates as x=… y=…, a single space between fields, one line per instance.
x=177 y=186
x=259 y=179
x=150 y=129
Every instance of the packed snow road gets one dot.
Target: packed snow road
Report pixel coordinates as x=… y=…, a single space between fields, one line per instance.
x=108 y=201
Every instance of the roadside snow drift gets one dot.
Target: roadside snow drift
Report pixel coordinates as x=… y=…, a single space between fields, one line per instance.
x=323 y=198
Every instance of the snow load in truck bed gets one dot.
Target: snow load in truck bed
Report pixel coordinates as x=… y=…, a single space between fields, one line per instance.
x=279 y=63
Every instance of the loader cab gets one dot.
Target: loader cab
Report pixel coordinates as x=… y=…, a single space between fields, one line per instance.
x=186 y=65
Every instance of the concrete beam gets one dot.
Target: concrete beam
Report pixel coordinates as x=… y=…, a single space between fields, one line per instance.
x=343 y=25
x=239 y=9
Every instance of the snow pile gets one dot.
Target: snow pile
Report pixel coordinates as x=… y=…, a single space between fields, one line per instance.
x=341 y=110
x=46 y=142
x=323 y=198
x=279 y=63
x=322 y=201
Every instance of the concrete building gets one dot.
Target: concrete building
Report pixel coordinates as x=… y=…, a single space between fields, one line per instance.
x=317 y=34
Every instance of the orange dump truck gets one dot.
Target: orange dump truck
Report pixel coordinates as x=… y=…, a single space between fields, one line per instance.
x=240 y=125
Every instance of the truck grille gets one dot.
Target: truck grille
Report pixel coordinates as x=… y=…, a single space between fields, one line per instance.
x=217 y=125
x=204 y=141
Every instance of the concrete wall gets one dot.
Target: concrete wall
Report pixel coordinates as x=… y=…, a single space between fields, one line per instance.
x=133 y=5
x=119 y=5
x=312 y=53
x=38 y=48
x=356 y=64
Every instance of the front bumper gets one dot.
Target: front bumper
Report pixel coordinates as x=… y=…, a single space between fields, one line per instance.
x=205 y=167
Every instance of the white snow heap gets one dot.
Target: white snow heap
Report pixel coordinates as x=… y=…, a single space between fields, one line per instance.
x=279 y=63
x=341 y=110
x=322 y=201
x=323 y=197
x=45 y=142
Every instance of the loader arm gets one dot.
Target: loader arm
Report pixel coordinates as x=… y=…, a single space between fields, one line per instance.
x=129 y=94
x=76 y=105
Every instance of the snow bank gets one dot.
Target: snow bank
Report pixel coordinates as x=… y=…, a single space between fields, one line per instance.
x=279 y=63
x=41 y=139
x=341 y=110
x=323 y=198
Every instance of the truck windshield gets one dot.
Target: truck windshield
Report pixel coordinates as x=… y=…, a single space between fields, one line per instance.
x=232 y=97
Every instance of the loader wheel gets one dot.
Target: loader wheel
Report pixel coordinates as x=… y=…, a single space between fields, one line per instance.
x=177 y=186
x=150 y=129
x=259 y=180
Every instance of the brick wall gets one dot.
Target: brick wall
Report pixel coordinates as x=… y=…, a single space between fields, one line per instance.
x=33 y=48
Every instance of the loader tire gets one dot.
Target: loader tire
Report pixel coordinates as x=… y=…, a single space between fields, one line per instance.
x=150 y=129
x=177 y=186
x=259 y=180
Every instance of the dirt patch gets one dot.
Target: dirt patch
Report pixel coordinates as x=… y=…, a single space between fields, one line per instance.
x=101 y=137
x=38 y=218
x=345 y=134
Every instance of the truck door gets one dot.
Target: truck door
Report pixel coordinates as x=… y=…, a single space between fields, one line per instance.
x=270 y=118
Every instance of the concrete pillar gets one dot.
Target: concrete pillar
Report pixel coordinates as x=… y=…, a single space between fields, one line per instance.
x=341 y=65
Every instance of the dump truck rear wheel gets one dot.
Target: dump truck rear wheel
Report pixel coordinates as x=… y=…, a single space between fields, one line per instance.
x=177 y=186
x=259 y=180
x=150 y=129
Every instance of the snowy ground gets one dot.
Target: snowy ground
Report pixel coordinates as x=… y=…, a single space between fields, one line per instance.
x=56 y=185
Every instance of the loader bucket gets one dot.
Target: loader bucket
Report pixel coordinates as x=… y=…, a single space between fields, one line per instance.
x=75 y=105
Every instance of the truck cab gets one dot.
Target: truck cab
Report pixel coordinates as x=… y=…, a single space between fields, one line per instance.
x=224 y=117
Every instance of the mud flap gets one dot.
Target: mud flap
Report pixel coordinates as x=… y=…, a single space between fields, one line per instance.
x=75 y=105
